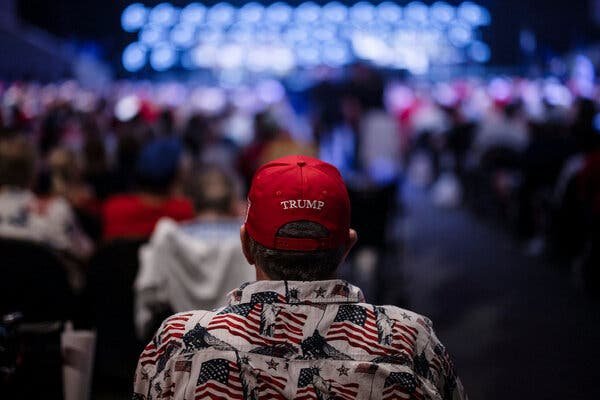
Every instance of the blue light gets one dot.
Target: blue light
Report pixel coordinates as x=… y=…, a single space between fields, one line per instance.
x=152 y=34
x=362 y=12
x=307 y=55
x=134 y=57
x=251 y=12
x=474 y=14
x=193 y=13
x=442 y=12
x=295 y=33
x=210 y=34
x=281 y=60
x=186 y=61
x=335 y=12
x=279 y=12
x=369 y=47
x=221 y=14
x=163 y=14
x=335 y=54
x=460 y=35
x=163 y=56
x=323 y=32
x=241 y=32
x=270 y=91
x=267 y=34
x=307 y=12
x=257 y=58
x=182 y=35
x=230 y=56
x=204 y=55
x=133 y=17
x=480 y=52
x=417 y=11
x=276 y=38
x=389 y=12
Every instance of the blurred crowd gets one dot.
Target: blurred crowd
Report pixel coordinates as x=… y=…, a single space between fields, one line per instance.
x=81 y=169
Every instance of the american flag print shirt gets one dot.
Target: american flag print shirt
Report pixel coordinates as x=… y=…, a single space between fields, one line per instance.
x=297 y=340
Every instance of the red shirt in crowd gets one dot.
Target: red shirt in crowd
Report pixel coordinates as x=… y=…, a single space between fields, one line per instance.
x=134 y=215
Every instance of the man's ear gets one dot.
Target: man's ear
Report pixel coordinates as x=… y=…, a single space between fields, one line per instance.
x=350 y=242
x=245 y=239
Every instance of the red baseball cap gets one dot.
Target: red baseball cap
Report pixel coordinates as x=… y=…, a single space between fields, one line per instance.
x=298 y=188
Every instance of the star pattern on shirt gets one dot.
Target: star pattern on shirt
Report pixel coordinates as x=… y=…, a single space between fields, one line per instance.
x=145 y=376
x=320 y=292
x=167 y=374
x=272 y=364
x=293 y=294
x=244 y=360
x=343 y=370
x=406 y=316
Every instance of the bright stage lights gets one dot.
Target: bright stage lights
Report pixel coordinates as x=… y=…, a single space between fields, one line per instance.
x=251 y=12
x=473 y=14
x=279 y=13
x=134 y=57
x=162 y=56
x=417 y=12
x=163 y=14
x=134 y=17
x=389 y=12
x=362 y=12
x=152 y=34
x=193 y=13
x=442 y=12
x=221 y=14
x=279 y=38
x=335 y=12
x=460 y=35
x=307 y=12
x=182 y=35
x=230 y=56
x=480 y=52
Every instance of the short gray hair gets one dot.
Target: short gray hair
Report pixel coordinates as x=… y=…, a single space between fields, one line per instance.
x=298 y=265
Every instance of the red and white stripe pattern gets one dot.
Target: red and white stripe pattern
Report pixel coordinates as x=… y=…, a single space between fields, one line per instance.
x=270 y=386
x=356 y=325
x=310 y=387
x=288 y=326
x=219 y=379
x=401 y=385
x=172 y=331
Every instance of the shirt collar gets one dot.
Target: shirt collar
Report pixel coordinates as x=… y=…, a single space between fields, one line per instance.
x=294 y=292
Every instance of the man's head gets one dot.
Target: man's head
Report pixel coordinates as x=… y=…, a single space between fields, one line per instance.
x=298 y=221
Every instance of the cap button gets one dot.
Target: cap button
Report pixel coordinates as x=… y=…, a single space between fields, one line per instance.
x=301 y=163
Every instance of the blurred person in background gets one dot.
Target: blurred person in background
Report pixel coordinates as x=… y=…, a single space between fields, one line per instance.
x=270 y=142
x=504 y=127
x=23 y=215
x=193 y=264
x=297 y=331
x=134 y=215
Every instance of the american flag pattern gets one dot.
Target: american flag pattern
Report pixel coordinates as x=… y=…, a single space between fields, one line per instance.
x=297 y=340
x=311 y=385
x=219 y=378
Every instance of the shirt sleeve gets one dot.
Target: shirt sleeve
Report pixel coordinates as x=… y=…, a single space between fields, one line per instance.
x=445 y=377
x=154 y=375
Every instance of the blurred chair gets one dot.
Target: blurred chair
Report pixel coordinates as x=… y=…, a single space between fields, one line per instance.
x=33 y=287
x=108 y=307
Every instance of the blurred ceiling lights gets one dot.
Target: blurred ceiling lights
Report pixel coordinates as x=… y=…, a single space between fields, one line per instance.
x=278 y=39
